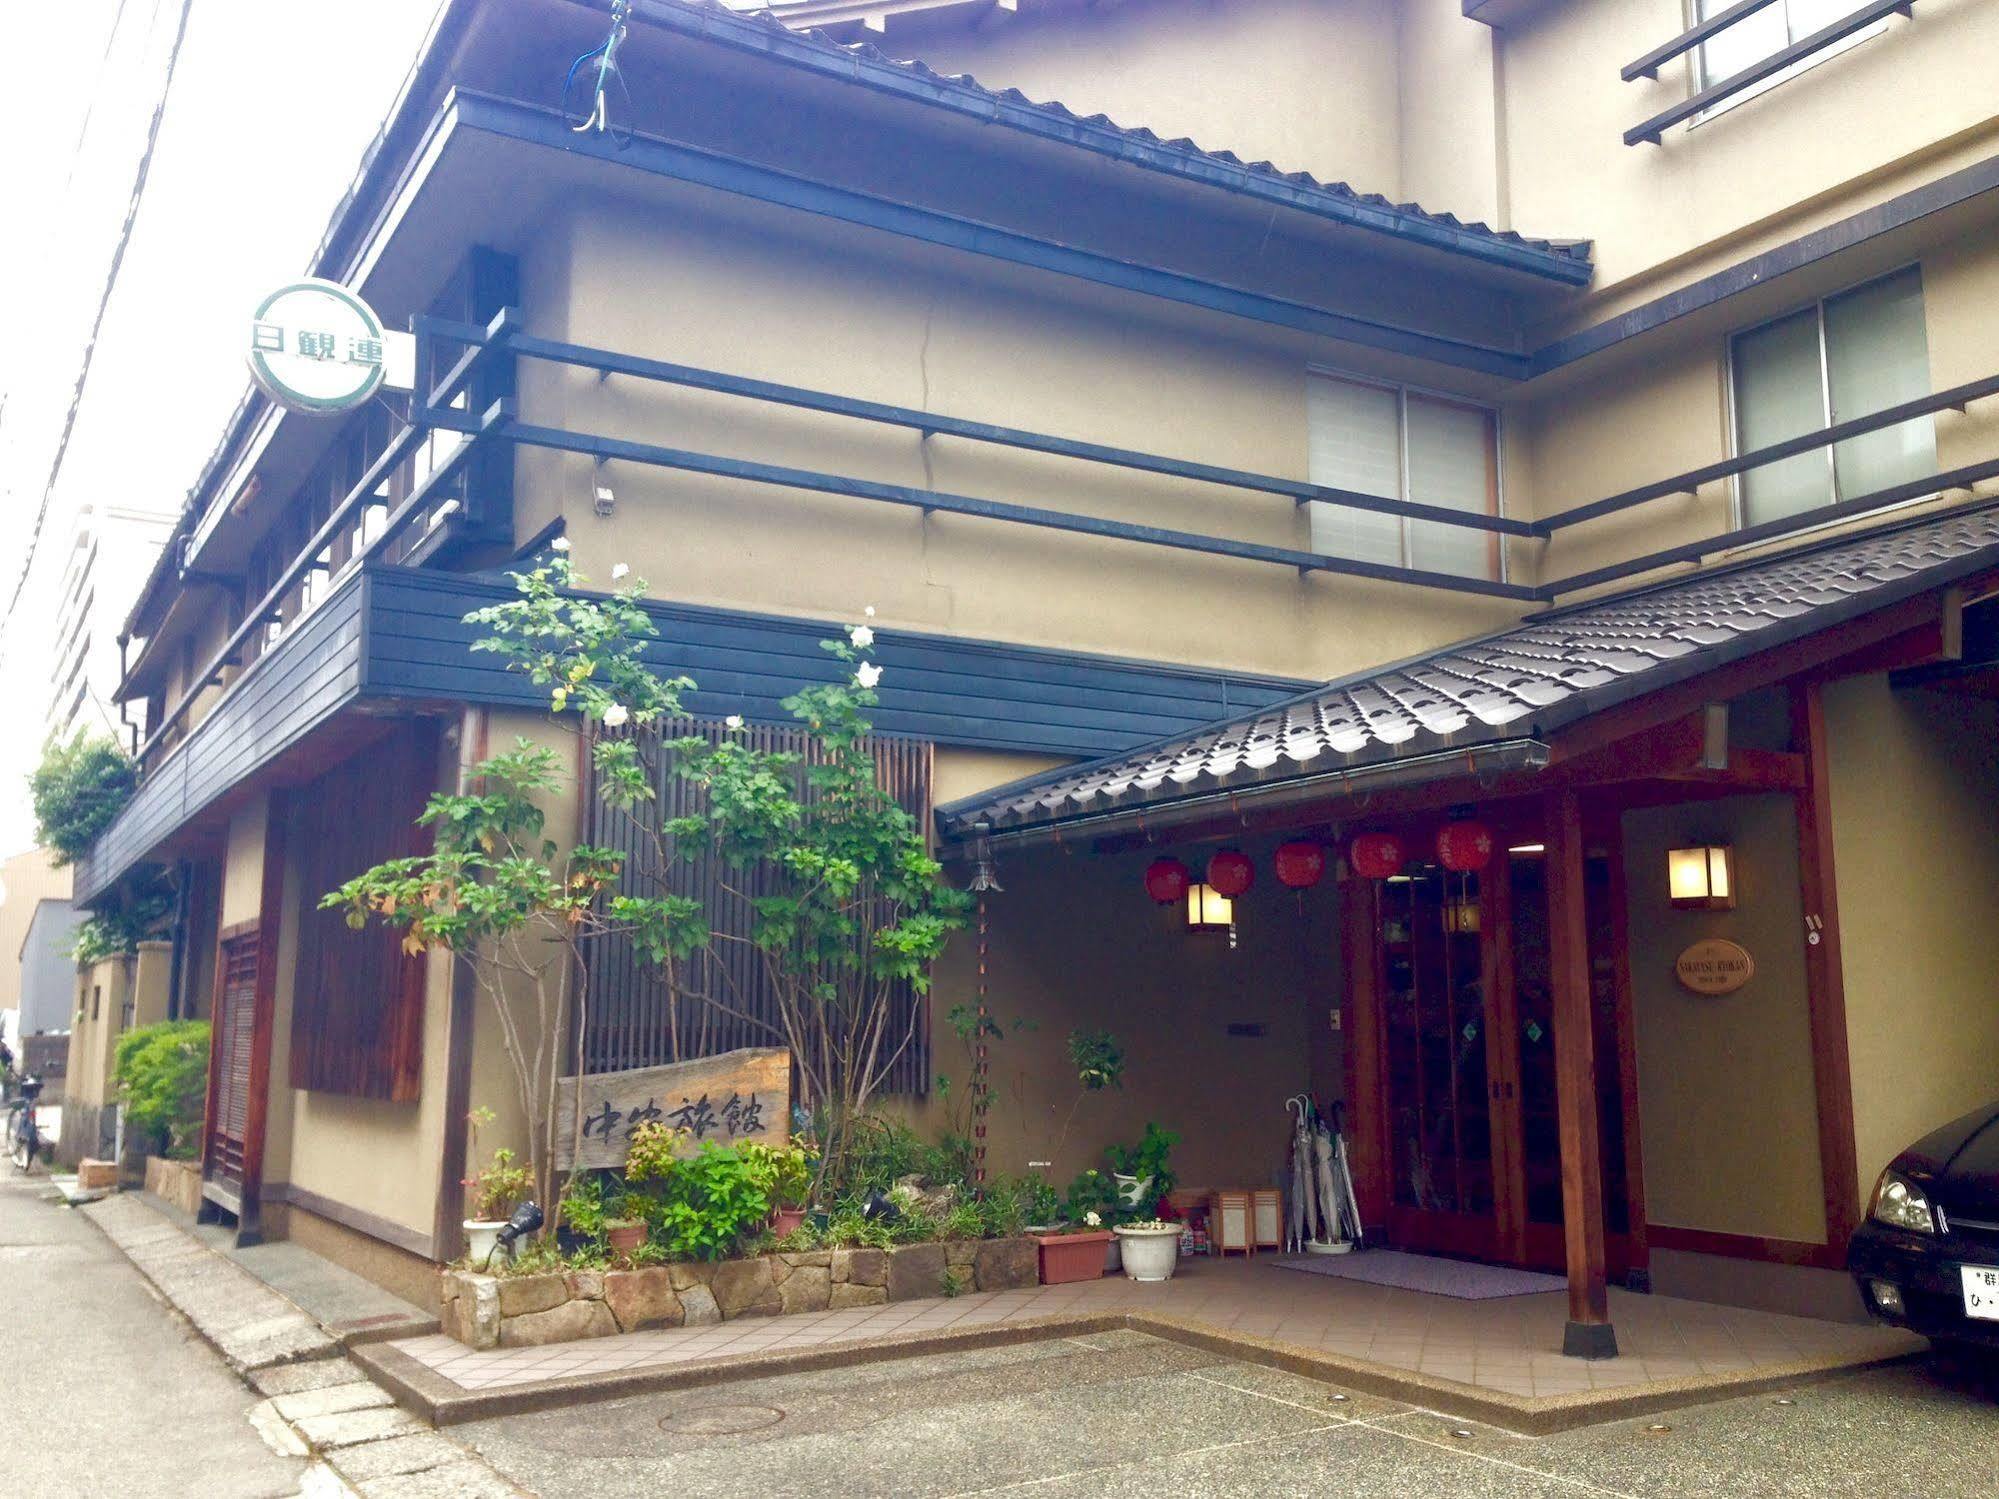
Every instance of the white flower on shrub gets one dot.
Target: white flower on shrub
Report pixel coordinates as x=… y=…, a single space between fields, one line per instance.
x=867 y=674
x=560 y=544
x=619 y=572
x=863 y=636
x=733 y=721
x=1093 y=1218
x=869 y=611
x=617 y=716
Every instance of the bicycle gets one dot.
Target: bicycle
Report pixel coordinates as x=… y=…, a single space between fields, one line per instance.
x=24 y=1136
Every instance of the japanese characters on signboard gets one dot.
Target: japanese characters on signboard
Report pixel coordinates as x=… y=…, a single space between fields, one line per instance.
x=315 y=346
x=740 y=1095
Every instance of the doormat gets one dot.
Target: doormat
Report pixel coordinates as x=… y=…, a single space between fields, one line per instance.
x=1423 y=1272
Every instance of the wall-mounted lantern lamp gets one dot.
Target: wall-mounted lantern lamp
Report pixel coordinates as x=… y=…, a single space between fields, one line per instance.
x=1461 y=916
x=1701 y=879
x=1208 y=910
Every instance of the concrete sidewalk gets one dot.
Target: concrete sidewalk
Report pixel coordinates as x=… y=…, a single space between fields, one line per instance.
x=317 y=1404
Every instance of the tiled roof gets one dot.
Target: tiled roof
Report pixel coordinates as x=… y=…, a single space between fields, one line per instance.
x=1569 y=260
x=1519 y=683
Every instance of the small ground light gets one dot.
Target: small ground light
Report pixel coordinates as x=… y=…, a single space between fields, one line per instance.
x=1462 y=1434
x=1337 y=1399
x=1658 y=1428
x=1783 y=1400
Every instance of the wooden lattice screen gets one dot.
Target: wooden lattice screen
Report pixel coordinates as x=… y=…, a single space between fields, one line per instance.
x=634 y=1022
x=357 y=1002
x=235 y=1018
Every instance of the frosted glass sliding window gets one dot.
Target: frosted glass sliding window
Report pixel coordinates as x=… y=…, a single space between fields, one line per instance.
x=1849 y=356
x=1400 y=444
x=1770 y=30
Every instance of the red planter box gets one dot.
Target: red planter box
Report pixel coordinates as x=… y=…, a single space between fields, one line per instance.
x=1067 y=1257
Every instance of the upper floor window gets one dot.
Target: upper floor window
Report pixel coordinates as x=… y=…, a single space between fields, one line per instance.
x=1845 y=357
x=1402 y=444
x=1768 y=31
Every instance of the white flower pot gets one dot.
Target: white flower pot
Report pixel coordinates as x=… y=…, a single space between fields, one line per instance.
x=1150 y=1253
x=1132 y=1190
x=480 y=1237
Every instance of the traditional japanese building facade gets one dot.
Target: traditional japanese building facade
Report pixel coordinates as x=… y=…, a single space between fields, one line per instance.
x=1204 y=500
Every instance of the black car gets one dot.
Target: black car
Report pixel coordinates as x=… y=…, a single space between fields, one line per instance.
x=1927 y=1258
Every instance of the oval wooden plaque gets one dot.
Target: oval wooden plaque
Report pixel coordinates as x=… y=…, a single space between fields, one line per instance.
x=1714 y=966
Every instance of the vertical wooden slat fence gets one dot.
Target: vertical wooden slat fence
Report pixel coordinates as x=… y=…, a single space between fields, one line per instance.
x=635 y=1022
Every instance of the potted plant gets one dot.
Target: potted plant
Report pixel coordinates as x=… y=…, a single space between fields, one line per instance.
x=1093 y=1198
x=1151 y=1248
x=786 y=1171
x=1141 y=1170
x=1076 y=1252
x=625 y=1232
x=491 y=1197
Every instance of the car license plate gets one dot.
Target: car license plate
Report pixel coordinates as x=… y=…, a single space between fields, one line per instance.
x=1981 y=1291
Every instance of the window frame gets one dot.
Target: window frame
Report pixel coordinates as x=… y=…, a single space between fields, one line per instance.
x=1701 y=77
x=1403 y=390
x=1738 y=517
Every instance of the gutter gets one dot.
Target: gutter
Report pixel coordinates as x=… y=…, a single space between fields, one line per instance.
x=1507 y=756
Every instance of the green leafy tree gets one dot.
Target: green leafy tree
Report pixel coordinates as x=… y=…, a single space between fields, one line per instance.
x=162 y=1076
x=841 y=900
x=78 y=788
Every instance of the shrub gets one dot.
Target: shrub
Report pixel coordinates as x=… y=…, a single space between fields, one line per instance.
x=162 y=1076
x=698 y=1207
x=1149 y=1157
x=500 y=1188
x=77 y=790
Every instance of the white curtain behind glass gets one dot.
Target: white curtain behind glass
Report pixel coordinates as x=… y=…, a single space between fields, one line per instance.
x=1450 y=464
x=1877 y=355
x=1780 y=393
x=1355 y=434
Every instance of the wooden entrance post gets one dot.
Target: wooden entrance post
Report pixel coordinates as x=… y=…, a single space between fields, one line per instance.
x=1589 y=1333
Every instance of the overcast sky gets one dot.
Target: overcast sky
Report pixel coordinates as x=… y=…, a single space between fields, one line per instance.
x=272 y=104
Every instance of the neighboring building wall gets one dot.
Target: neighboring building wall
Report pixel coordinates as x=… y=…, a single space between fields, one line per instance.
x=112 y=997
x=1727 y=1104
x=48 y=972
x=26 y=880
x=111 y=550
x=1915 y=778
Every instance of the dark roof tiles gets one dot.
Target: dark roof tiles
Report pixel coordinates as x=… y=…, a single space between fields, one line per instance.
x=1550 y=669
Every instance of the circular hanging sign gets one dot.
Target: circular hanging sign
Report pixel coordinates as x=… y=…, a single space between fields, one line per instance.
x=315 y=346
x=1714 y=966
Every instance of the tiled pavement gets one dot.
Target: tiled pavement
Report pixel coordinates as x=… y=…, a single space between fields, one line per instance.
x=1508 y=1346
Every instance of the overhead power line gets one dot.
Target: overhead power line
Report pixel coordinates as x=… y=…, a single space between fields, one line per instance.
x=97 y=321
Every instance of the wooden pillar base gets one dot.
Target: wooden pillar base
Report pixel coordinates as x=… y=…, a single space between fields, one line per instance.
x=1589 y=1340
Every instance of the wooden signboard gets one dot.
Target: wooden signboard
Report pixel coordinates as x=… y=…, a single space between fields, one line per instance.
x=1714 y=966
x=739 y=1095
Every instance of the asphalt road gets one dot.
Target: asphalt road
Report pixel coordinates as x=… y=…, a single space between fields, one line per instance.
x=1125 y=1414
x=106 y=1391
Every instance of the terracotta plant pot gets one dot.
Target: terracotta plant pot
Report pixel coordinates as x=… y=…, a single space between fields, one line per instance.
x=784 y=1221
x=1070 y=1257
x=625 y=1238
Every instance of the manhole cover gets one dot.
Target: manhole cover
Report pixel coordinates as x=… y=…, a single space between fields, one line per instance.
x=720 y=1420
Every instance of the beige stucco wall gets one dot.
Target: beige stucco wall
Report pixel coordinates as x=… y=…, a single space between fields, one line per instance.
x=1727 y=1103
x=243 y=863
x=1076 y=943
x=1915 y=778
x=26 y=880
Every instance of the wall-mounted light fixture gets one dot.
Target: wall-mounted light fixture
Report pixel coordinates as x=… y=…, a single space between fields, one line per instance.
x=1701 y=879
x=1461 y=916
x=1207 y=910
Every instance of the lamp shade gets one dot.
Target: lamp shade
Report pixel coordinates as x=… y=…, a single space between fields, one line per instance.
x=1376 y=856
x=1300 y=865
x=1166 y=881
x=1464 y=847
x=1702 y=878
x=1208 y=910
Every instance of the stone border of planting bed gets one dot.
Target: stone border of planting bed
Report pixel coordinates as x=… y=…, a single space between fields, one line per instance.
x=517 y=1311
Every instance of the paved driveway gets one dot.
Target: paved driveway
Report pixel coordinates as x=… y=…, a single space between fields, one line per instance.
x=1123 y=1413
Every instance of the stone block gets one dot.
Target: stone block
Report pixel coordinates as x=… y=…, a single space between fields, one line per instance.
x=961 y=1252
x=915 y=1271
x=698 y=1308
x=347 y=1428
x=586 y=1285
x=359 y=1395
x=860 y=1267
x=809 y=1259
x=559 y=1324
x=96 y=1176
x=807 y=1289
x=471 y=1309
x=744 y=1288
x=642 y=1298
x=521 y=1295
x=697 y=1273
x=841 y=1297
x=1007 y=1265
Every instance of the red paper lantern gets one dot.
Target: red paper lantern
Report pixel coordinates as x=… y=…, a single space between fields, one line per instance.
x=1376 y=856
x=1300 y=866
x=1166 y=881
x=1230 y=873
x=1464 y=847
